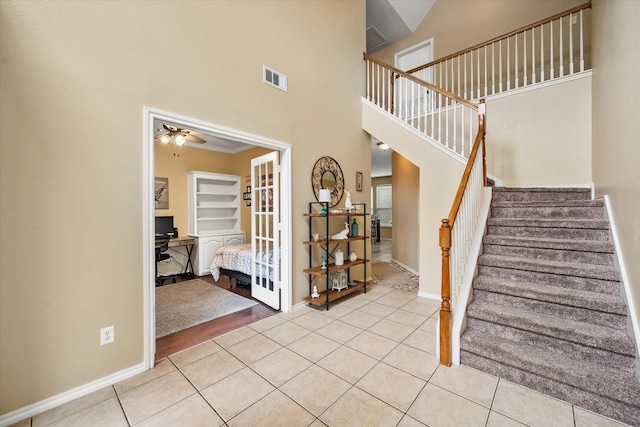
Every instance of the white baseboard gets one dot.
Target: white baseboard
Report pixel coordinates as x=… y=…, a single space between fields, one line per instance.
x=66 y=397
x=409 y=269
x=633 y=313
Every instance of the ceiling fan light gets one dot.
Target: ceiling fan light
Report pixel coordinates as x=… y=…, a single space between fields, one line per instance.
x=180 y=140
x=165 y=139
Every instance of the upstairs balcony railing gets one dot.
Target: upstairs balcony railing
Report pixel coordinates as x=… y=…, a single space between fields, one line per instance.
x=553 y=48
x=439 y=115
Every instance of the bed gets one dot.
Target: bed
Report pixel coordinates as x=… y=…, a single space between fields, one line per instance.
x=235 y=262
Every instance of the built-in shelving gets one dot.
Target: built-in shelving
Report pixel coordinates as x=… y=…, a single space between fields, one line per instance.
x=214 y=215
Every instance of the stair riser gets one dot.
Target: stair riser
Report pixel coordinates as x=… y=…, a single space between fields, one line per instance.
x=547 y=212
x=577 y=350
x=599 y=404
x=548 y=308
x=550 y=254
x=550 y=232
x=586 y=284
x=530 y=196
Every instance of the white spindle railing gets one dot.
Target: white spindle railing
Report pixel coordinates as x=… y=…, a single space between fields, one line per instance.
x=504 y=63
x=464 y=227
x=439 y=115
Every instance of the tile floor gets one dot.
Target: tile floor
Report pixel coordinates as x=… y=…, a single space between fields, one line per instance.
x=368 y=361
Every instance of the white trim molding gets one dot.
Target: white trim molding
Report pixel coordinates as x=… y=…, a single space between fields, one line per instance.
x=66 y=397
x=633 y=313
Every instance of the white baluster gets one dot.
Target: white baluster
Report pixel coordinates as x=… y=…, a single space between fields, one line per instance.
x=541 y=53
x=368 y=79
x=458 y=75
x=465 y=76
x=533 y=55
x=500 y=64
x=478 y=73
x=515 y=68
x=571 y=43
x=508 y=63
x=561 y=49
x=493 y=69
x=524 y=57
x=551 y=70
x=485 y=71
x=581 y=44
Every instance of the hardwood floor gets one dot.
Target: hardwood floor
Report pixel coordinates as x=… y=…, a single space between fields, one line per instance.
x=165 y=346
x=181 y=340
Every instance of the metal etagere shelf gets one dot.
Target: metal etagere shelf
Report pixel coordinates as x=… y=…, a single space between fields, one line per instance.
x=320 y=212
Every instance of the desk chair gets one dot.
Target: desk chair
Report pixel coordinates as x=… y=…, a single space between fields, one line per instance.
x=162 y=246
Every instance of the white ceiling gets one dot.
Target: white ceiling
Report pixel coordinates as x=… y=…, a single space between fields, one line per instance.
x=387 y=22
x=214 y=143
x=391 y=20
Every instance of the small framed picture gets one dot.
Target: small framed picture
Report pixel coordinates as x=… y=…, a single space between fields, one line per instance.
x=359 y=178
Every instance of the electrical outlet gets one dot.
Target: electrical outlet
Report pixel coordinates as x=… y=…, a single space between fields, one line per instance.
x=107 y=335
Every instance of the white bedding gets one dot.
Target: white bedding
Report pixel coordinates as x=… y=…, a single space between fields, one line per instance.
x=238 y=258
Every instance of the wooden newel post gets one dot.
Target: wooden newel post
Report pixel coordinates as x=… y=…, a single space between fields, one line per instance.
x=445 y=307
x=482 y=121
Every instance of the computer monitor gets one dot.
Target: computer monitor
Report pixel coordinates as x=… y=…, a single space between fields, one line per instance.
x=164 y=225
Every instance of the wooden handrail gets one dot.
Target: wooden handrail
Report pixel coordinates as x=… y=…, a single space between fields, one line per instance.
x=467 y=171
x=504 y=36
x=445 y=236
x=420 y=82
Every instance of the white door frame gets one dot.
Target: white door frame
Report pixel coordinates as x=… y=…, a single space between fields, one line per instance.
x=148 y=211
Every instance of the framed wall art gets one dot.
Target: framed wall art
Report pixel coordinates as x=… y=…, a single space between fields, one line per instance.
x=162 y=193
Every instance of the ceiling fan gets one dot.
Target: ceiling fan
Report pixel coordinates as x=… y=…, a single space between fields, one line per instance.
x=178 y=135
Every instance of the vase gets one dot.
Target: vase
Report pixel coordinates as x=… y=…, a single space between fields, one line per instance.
x=354 y=228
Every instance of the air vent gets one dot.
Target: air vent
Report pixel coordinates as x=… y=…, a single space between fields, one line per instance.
x=375 y=40
x=274 y=78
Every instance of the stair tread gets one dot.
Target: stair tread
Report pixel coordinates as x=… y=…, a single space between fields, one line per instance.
x=550 y=243
x=553 y=294
x=601 y=380
x=614 y=340
x=595 y=271
x=547 y=203
x=581 y=223
x=545 y=189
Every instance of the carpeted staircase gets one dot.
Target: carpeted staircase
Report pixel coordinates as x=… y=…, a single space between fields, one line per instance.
x=547 y=310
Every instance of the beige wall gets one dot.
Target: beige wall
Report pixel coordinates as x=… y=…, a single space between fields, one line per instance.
x=616 y=106
x=439 y=178
x=548 y=126
x=406 y=191
x=75 y=77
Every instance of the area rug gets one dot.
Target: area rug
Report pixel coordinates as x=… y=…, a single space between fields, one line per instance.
x=392 y=275
x=185 y=304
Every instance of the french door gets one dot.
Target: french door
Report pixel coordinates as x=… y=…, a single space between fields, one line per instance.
x=265 y=229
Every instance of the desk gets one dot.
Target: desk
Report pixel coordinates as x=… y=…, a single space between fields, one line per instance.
x=188 y=242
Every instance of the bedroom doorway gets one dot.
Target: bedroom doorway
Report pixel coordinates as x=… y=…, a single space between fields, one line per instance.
x=232 y=136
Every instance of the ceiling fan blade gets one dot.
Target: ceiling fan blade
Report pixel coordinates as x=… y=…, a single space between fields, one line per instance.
x=195 y=139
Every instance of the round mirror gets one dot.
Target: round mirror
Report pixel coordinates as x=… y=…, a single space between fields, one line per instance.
x=328 y=180
x=327 y=174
